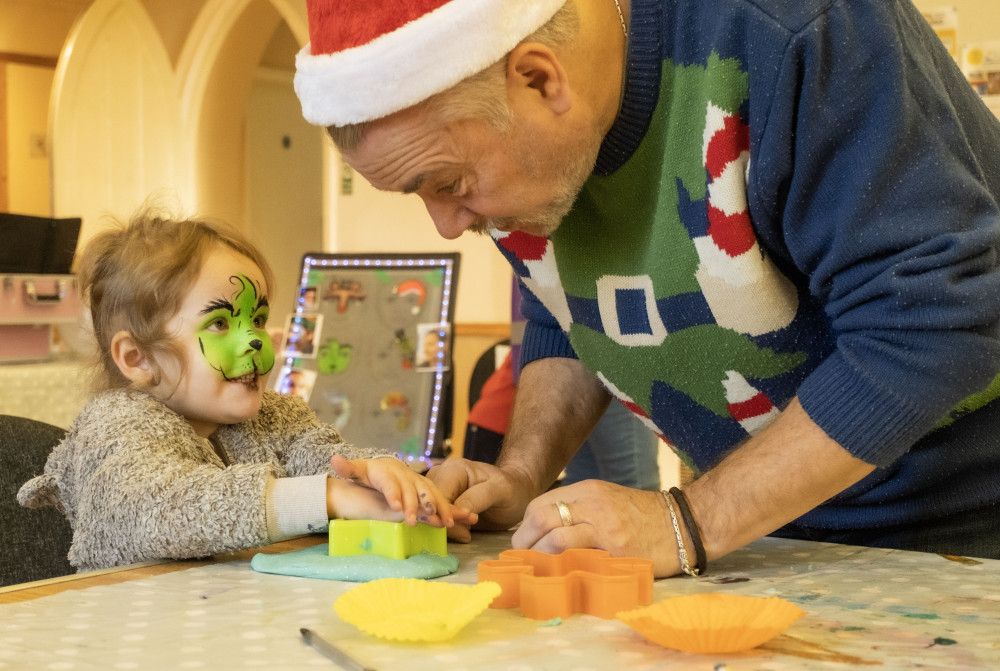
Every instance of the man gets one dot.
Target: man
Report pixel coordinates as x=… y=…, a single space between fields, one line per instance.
x=768 y=228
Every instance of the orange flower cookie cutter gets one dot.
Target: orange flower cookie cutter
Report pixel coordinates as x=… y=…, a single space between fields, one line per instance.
x=548 y=586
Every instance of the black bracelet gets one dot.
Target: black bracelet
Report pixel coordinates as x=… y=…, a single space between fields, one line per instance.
x=701 y=561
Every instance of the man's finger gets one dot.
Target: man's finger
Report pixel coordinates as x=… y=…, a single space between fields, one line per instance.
x=451 y=478
x=541 y=517
x=460 y=532
x=478 y=498
x=561 y=539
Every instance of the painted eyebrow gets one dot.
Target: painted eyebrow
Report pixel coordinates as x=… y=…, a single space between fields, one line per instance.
x=217 y=304
x=262 y=303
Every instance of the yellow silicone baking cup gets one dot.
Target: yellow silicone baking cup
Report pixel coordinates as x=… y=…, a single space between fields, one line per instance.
x=406 y=609
x=712 y=623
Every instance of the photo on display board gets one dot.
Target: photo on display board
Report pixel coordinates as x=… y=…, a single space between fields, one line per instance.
x=295 y=381
x=302 y=332
x=370 y=348
x=433 y=347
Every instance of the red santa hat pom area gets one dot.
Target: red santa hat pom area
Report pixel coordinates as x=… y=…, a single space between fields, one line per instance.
x=366 y=59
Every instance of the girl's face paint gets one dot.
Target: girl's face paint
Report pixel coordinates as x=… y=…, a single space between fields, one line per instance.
x=225 y=352
x=233 y=337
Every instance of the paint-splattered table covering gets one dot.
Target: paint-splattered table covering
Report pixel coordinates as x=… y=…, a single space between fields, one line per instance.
x=864 y=608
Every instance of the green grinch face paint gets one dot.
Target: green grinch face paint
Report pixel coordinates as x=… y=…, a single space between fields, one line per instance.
x=233 y=337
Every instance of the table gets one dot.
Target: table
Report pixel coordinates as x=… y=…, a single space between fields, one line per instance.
x=865 y=608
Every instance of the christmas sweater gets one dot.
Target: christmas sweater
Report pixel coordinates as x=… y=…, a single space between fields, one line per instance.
x=797 y=199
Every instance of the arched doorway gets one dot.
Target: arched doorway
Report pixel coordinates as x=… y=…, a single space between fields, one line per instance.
x=218 y=135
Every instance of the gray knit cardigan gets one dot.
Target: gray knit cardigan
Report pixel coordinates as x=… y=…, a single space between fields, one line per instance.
x=137 y=483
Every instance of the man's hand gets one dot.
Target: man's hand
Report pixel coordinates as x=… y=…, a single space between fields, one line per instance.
x=557 y=404
x=734 y=503
x=496 y=494
x=626 y=522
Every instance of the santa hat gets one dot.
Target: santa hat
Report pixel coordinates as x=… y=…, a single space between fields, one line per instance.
x=366 y=60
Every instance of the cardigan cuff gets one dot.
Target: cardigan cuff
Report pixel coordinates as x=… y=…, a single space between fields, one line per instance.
x=542 y=342
x=296 y=506
x=869 y=421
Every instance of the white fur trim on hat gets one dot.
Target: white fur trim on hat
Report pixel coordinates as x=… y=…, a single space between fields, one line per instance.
x=425 y=56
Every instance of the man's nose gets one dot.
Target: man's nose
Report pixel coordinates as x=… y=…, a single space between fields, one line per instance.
x=450 y=218
x=256 y=344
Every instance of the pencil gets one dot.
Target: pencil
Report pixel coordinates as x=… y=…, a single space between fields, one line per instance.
x=332 y=651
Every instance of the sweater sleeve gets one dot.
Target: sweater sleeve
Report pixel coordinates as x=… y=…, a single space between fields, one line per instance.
x=287 y=431
x=543 y=338
x=300 y=441
x=879 y=173
x=138 y=484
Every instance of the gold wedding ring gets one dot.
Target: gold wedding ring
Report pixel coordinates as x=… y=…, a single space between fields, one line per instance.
x=567 y=519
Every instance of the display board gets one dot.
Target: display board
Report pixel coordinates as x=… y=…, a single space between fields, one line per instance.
x=369 y=347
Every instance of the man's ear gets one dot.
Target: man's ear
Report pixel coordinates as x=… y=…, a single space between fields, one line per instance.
x=534 y=73
x=131 y=360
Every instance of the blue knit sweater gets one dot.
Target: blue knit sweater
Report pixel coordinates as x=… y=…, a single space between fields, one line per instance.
x=798 y=198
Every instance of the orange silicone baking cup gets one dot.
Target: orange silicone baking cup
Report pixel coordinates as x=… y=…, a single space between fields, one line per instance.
x=713 y=623
x=547 y=586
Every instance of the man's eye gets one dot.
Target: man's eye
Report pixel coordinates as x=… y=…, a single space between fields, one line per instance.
x=260 y=321
x=450 y=189
x=219 y=324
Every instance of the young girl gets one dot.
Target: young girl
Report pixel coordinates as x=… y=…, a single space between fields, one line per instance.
x=183 y=453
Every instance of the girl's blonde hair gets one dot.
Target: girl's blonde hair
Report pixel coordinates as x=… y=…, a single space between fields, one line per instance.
x=134 y=278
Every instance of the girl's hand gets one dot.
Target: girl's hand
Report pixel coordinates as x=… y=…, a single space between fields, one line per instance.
x=404 y=491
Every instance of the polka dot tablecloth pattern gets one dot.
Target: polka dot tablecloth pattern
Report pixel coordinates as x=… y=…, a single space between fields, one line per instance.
x=864 y=607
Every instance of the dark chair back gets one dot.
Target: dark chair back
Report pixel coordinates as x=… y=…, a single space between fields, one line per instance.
x=481 y=444
x=33 y=542
x=485 y=365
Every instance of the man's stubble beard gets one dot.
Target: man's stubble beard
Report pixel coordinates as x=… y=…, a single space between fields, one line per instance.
x=570 y=167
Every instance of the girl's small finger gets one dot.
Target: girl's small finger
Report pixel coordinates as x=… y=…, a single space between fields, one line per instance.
x=433 y=520
x=427 y=506
x=441 y=505
x=390 y=490
x=411 y=505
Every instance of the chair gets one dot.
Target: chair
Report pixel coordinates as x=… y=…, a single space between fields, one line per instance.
x=33 y=542
x=485 y=365
x=481 y=444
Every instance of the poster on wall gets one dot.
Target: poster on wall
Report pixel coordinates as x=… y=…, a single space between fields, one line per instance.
x=981 y=64
x=369 y=348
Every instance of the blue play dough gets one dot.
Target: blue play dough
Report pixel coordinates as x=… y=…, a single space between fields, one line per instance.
x=315 y=562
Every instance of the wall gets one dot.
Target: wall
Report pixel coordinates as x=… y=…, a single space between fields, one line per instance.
x=285 y=183
x=36 y=27
x=31 y=37
x=173 y=20
x=220 y=162
x=978 y=20
x=27 y=108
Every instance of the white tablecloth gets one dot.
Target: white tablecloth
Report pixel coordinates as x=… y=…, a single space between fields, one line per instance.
x=865 y=607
